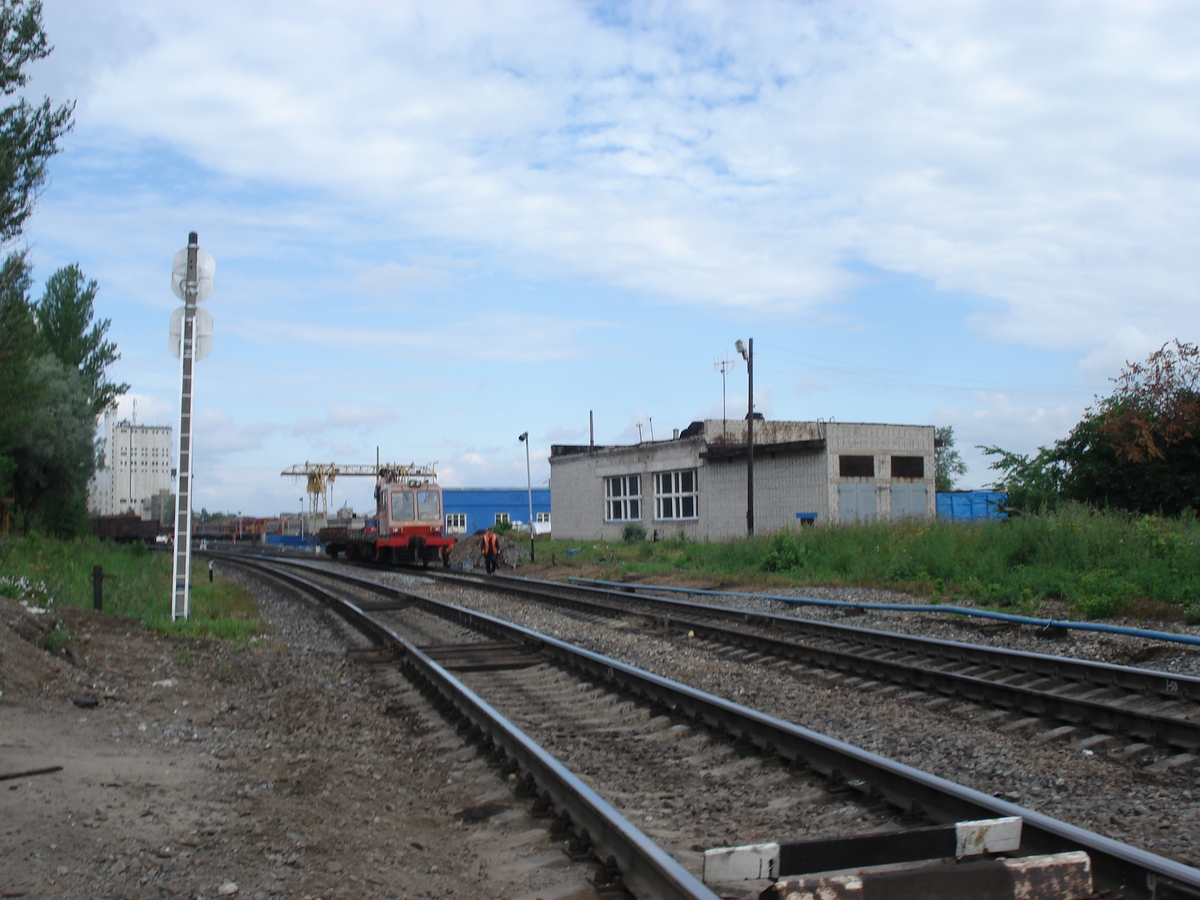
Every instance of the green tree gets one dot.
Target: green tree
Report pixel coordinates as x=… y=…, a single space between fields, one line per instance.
x=20 y=390
x=64 y=317
x=1033 y=483
x=46 y=407
x=947 y=464
x=56 y=454
x=29 y=133
x=1137 y=450
x=1156 y=404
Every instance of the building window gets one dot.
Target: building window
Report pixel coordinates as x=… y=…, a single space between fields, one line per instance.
x=501 y=517
x=856 y=466
x=456 y=523
x=675 y=494
x=908 y=467
x=623 y=498
x=541 y=517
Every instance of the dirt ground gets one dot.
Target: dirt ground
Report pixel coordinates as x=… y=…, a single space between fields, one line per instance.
x=210 y=770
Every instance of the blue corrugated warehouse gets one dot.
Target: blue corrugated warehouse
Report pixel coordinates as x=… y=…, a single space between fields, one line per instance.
x=469 y=510
x=966 y=506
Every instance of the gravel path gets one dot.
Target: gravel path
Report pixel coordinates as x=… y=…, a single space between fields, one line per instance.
x=282 y=769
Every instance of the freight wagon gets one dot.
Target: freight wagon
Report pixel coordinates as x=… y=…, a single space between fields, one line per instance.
x=408 y=521
x=125 y=529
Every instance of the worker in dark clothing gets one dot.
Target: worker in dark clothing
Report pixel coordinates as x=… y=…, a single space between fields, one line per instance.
x=445 y=556
x=491 y=550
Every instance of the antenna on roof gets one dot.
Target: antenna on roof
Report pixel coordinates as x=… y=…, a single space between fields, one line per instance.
x=723 y=366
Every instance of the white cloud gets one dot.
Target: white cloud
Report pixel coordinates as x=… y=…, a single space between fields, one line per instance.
x=997 y=420
x=343 y=417
x=407 y=192
x=722 y=155
x=508 y=337
x=1125 y=345
x=396 y=278
x=147 y=409
x=218 y=434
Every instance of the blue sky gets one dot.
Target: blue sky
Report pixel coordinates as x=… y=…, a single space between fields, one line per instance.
x=438 y=225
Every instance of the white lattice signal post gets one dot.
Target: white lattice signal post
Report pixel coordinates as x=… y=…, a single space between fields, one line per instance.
x=192 y=273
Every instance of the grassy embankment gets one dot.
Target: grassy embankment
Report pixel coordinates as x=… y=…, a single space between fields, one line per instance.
x=1100 y=564
x=137 y=583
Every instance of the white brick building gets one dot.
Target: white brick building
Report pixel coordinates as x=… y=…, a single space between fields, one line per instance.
x=137 y=466
x=695 y=484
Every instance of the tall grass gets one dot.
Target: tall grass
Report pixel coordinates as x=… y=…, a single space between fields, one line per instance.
x=1101 y=564
x=137 y=583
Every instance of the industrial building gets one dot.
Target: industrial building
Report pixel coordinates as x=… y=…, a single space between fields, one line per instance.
x=137 y=471
x=695 y=484
x=469 y=510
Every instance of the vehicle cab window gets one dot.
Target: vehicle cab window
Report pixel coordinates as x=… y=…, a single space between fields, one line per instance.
x=402 y=507
x=429 y=506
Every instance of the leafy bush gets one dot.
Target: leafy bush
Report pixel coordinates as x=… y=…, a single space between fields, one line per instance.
x=785 y=552
x=502 y=527
x=633 y=533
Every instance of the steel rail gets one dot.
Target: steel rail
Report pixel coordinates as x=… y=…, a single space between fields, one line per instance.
x=1148 y=725
x=1117 y=866
x=925 y=608
x=645 y=867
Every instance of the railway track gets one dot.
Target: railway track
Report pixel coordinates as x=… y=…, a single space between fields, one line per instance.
x=607 y=717
x=1141 y=715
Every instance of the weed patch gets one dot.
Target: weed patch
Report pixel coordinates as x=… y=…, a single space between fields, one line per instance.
x=1101 y=564
x=49 y=572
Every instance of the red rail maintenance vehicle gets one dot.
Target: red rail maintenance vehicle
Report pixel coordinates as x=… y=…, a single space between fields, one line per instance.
x=408 y=522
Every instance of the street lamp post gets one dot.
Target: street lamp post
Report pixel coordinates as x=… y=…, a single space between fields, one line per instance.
x=524 y=439
x=301 y=521
x=748 y=355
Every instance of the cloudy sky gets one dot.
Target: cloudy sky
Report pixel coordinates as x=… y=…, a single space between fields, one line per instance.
x=438 y=225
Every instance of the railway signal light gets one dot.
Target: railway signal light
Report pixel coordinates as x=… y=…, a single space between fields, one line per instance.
x=190 y=339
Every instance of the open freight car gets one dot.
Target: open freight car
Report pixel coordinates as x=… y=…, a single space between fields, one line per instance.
x=126 y=529
x=408 y=521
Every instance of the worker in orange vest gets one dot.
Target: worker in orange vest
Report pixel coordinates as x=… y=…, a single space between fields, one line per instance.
x=491 y=550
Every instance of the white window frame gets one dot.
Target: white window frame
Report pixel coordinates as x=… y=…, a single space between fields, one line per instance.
x=456 y=523
x=623 y=498
x=501 y=517
x=671 y=498
x=541 y=517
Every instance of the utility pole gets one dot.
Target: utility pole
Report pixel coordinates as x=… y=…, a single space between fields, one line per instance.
x=524 y=439
x=723 y=366
x=748 y=355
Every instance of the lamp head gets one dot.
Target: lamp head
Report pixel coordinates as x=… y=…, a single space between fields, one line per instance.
x=523 y=436
x=740 y=347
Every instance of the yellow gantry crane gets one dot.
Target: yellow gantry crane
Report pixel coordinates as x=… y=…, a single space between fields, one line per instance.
x=320 y=477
